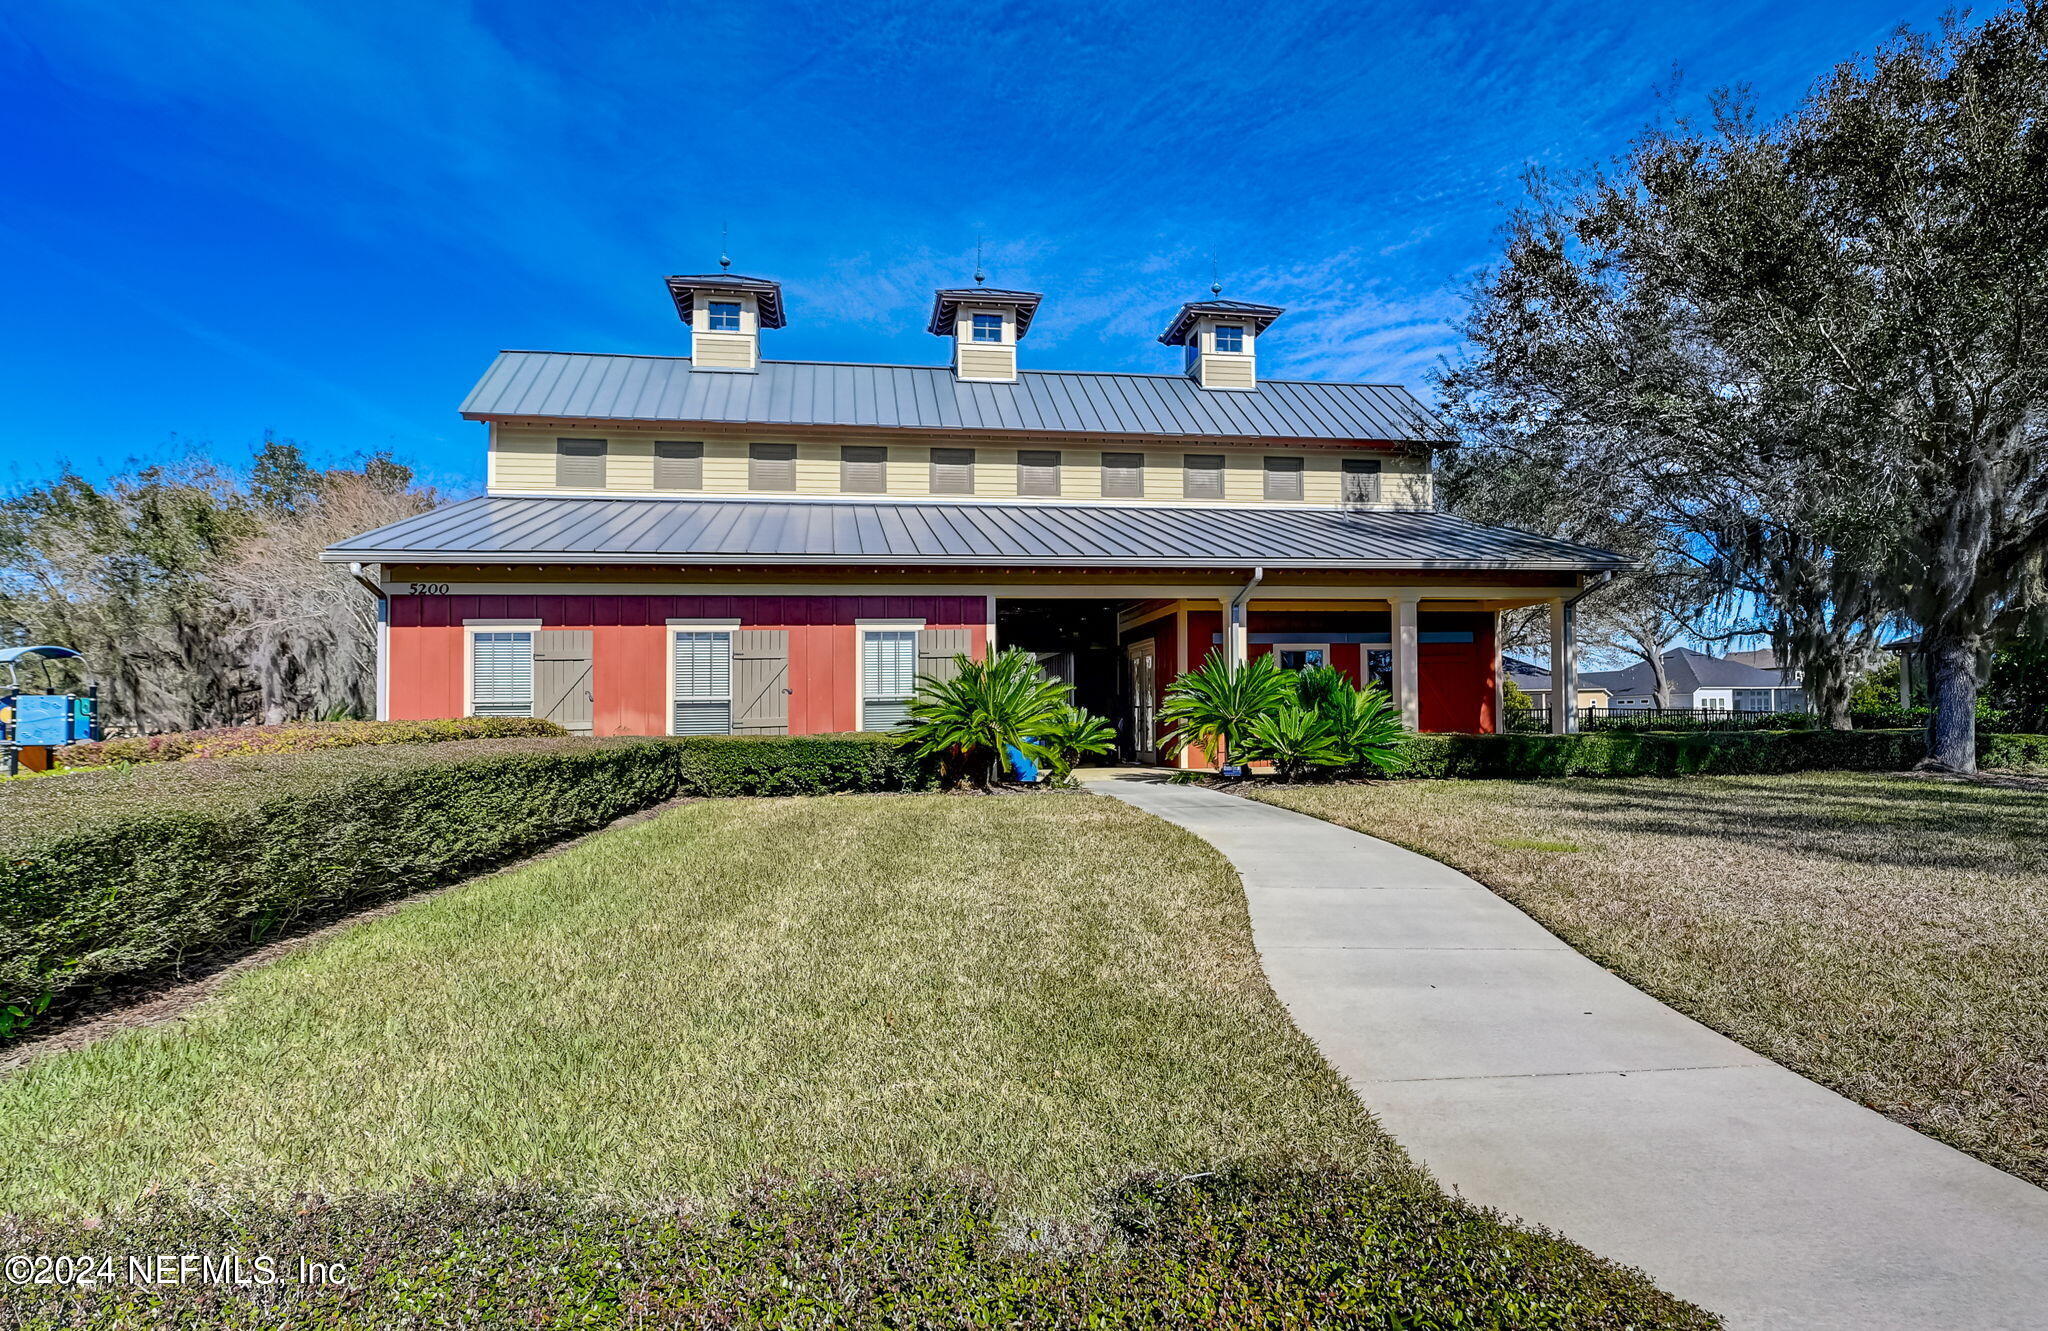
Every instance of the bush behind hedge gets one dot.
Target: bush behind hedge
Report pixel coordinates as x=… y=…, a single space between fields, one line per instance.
x=1244 y=1248
x=119 y=873
x=298 y=737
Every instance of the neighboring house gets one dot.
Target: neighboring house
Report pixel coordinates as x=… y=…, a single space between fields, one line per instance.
x=1697 y=680
x=1534 y=680
x=724 y=543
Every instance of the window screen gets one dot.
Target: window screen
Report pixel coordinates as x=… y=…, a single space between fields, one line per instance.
x=952 y=471
x=725 y=316
x=678 y=466
x=703 y=674
x=888 y=676
x=1361 y=480
x=501 y=673
x=863 y=469
x=1123 y=475
x=1283 y=478
x=1038 y=472
x=771 y=466
x=1202 y=476
x=579 y=464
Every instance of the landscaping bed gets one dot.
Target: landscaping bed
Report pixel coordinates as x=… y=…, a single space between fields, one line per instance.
x=1886 y=935
x=1011 y=1059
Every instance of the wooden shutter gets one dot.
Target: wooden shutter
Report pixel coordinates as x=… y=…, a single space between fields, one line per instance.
x=937 y=648
x=579 y=464
x=1202 y=476
x=702 y=671
x=678 y=466
x=1361 y=480
x=771 y=466
x=952 y=471
x=562 y=689
x=1123 y=475
x=501 y=673
x=1283 y=478
x=760 y=682
x=1038 y=472
x=863 y=470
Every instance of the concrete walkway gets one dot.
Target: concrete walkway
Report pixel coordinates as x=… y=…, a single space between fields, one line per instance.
x=1530 y=1079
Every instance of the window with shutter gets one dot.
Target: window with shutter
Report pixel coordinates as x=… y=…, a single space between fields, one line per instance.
x=888 y=676
x=952 y=471
x=771 y=466
x=1361 y=480
x=1202 y=476
x=863 y=470
x=1038 y=472
x=501 y=673
x=1123 y=475
x=579 y=464
x=703 y=682
x=678 y=466
x=1283 y=478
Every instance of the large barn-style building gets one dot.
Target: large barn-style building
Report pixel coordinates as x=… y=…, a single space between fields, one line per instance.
x=720 y=543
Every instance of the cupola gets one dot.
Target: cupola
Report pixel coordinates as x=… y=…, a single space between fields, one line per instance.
x=1221 y=337
x=985 y=324
x=726 y=313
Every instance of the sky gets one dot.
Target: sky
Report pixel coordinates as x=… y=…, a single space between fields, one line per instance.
x=321 y=220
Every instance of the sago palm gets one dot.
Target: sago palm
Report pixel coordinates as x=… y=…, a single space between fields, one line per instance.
x=1295 y=739
x=1077 y=733
x=1220 y=701
x=985 y=707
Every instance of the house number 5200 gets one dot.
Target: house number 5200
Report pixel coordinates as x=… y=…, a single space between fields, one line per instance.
x=428 y=588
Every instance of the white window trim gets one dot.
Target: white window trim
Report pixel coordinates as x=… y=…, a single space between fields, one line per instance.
x=1322 y=647
x=861 y=628
x=470 y=628
x=672 y=627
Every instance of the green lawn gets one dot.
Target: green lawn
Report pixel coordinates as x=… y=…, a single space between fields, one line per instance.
x=1885 y=935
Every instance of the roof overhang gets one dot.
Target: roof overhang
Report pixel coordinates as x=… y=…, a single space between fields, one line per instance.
x=687 y=289
x=1244 y=311
x=947 y=304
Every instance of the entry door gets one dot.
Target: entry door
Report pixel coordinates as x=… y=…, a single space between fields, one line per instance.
x=1144 y=706
x=562 y=689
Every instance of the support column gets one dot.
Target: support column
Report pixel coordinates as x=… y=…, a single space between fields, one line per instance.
x=1500 y=682
x=1564 y=669
x=1237 y=638
x=1407 y=672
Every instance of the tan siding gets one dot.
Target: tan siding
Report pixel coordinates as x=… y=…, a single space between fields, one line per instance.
x=522 y=460
x=629 y=466
x=722 y=351
x=1227 y=372
x=987 y=361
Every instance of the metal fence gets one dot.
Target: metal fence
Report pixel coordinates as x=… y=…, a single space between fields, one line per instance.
x=1672 y=718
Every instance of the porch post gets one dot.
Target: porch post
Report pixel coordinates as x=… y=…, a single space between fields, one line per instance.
x=1237 y=639
x=1564 y=669
x=1407 y=674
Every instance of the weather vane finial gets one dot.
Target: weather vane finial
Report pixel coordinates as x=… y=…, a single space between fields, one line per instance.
x=724 y=259
x=1215 y=278
x=979 y=276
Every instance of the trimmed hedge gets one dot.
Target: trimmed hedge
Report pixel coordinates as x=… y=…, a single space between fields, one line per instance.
x=1652 y=753
x=118 y=873
x=299 y=737
x=2013 y=753
x=1266 y=1248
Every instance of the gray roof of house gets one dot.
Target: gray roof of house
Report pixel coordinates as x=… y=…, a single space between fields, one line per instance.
x=562 y=385
x=1686 y=670
x=1038 y=534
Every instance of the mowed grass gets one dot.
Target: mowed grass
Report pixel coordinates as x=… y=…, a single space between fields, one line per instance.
x=1885 y=935
x=1051 y=993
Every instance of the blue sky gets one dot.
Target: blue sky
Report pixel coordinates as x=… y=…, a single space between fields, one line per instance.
x=322 y=219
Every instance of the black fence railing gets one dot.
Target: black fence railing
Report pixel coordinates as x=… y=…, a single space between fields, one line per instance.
x=1667 y=718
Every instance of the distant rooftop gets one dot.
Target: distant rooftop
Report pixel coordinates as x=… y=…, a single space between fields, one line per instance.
x=561 y=385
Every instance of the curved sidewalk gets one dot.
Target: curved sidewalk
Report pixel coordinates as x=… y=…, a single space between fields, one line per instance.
x=1528 y=1078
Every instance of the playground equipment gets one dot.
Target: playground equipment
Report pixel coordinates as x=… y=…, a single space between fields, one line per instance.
x=33 y=724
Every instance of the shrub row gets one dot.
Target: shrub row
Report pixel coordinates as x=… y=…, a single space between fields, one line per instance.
x=1651 y=753
x=1274 y=1248
x=119 y=873
x=300 y=737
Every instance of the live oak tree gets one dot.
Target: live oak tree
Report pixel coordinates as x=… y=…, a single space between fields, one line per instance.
x=1814 y=351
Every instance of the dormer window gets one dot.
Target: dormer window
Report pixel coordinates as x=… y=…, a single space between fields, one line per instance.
x=1229 y=337
x=988 y=328
x=724 y=316
x=985 y=326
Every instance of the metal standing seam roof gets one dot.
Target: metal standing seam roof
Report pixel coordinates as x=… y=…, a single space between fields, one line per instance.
x=562 y=385
x=498 y=528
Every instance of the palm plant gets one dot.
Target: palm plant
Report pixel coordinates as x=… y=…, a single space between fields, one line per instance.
x=1077 y=733
x=1218 y=701
x=1295 y=739
x=1366 y=729
x=986 y=707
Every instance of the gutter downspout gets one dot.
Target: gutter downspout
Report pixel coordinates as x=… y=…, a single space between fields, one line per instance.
x=355 y=570
x=1239 y=617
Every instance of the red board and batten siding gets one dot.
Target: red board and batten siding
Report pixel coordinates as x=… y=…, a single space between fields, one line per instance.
x=630 y=646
